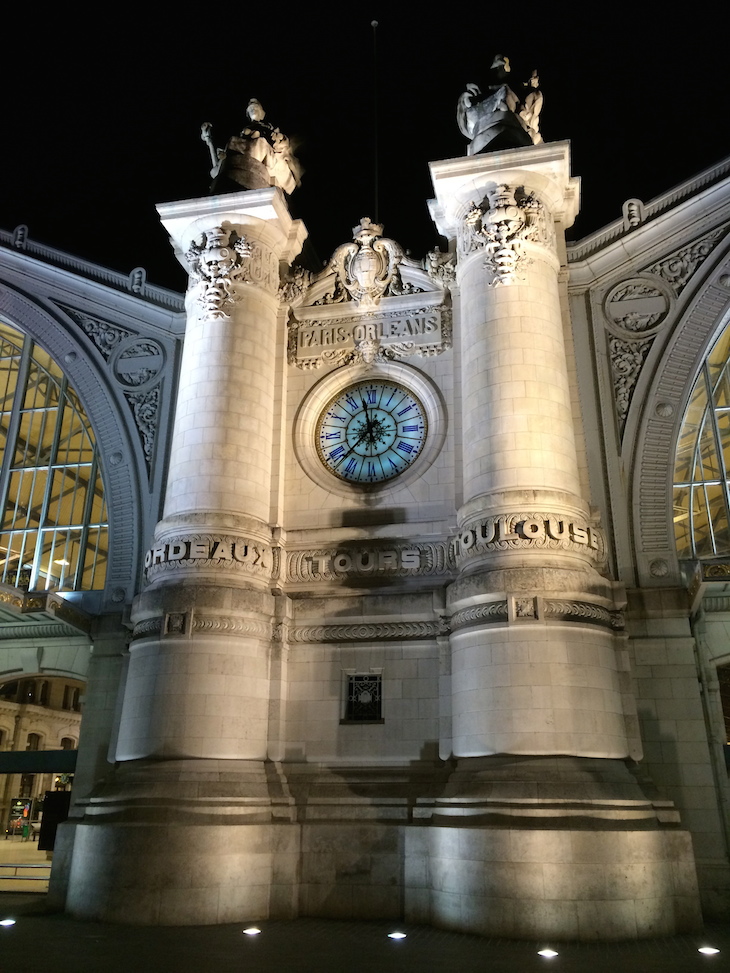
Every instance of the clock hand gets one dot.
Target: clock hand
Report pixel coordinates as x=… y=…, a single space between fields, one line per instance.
x=354 y=445
x=369 y=422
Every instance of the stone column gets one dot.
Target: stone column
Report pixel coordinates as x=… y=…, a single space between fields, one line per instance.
x=192 y=825
x=533 y=650
x=198 y=675
x=543 y=715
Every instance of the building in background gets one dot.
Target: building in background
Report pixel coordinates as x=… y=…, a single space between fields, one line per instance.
x=399 y=588
x=37 y=715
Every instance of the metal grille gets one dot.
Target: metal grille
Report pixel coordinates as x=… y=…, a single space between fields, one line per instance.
x=363 y=699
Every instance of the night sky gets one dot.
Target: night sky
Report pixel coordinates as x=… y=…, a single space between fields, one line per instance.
x=100 y=124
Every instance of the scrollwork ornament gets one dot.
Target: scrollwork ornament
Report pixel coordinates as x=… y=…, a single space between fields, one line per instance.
x=106 y=337
x=500 y=225
x=493 y=611
x=227 y=625
x=677 y=269
x=216 y=263
x=627 y=360
x=581 y=611
x=145 y=409
x=385 y=631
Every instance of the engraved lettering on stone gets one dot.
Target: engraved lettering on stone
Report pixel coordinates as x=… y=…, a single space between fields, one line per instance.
x=425 y=331
x=225 y=553
x=539 y=531
x=216 y=263
x=333 y=564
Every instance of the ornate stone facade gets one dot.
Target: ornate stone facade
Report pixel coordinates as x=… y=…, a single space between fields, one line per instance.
x=510 y=593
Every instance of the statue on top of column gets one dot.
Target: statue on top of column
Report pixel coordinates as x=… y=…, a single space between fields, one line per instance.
x=500 y=119
x=259 y=157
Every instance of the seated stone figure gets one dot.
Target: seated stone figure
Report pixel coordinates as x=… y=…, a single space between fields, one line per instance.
x=260 y=156
x=500 y=119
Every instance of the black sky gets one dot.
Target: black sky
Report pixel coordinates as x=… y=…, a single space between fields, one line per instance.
x=101 y=123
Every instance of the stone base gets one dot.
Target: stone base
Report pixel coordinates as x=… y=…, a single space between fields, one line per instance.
x=714 y=881
x=524 y=848
x=183 y=874
x=561 y=885
x=557 y=848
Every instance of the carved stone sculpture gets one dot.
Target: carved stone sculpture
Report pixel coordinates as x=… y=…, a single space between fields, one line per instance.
x=502 y=118
x=216 y=264
x=500 y=225
x=440 y=266
x=260 y=156
x=367 y=268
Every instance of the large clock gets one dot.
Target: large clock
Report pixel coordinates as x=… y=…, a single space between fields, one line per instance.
x=371 y=431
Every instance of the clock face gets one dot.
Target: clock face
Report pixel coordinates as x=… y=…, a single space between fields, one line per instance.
x=371 y=432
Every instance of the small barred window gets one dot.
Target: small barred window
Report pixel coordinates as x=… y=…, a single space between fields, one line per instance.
x=364 y=699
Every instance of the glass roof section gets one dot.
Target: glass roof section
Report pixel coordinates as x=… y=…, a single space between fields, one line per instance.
x=701 y=502
x=54 y=530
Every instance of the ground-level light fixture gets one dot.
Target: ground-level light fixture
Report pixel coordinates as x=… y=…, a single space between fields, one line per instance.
x=7 y=922
x=251 y=931
x=708 y=950
x=396 y=935
x=547 y=953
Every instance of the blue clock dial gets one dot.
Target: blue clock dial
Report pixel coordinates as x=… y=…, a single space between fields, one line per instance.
x=371 y=432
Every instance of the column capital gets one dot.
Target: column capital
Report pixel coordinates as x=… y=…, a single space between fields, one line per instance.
x=259 y=214
x=462 y=184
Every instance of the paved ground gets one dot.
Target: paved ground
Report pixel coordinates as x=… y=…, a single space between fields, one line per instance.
x=40 y=942
x=18 y=851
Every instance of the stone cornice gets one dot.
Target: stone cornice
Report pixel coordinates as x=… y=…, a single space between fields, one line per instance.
x=597 y=241
x=134 y=283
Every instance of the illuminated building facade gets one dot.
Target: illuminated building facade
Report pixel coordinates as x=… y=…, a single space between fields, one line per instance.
x=398 y=587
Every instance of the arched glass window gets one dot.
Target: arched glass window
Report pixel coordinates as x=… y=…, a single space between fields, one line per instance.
x=34 y=742
x=54 y=531
x=702 y=462
x=67 y=743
